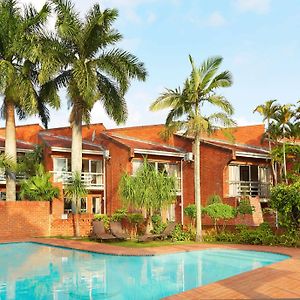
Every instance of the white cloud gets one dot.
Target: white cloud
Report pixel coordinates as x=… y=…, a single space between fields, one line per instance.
x=216 y=20
x=246 y=121
x=257 y=6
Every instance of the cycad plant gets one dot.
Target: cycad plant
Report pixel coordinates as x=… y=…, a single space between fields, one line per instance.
x=187 y=114
x=90 y=67
x=39 y=187
x=20 y=47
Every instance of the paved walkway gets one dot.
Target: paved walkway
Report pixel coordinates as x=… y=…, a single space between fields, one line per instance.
x=279 y=280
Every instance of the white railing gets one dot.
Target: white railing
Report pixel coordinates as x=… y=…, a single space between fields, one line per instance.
x=19 y=177
x=92 y=181
x=249 y=188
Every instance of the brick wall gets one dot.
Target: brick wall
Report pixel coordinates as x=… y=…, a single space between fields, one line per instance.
x=39 y=218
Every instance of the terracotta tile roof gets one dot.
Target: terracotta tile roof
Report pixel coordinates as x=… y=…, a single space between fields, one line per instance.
x=52 y=140
x=136 y=143
x=20 y=144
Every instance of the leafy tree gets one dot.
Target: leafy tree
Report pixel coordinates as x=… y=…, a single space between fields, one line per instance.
x=148 y=189
x=39 y=187
x=20 y=48
x=268 y=112
x=74 y=192
x=187 y=112
x=219 y=211
x=286 y=200
x=90 y=67
x=28 y=164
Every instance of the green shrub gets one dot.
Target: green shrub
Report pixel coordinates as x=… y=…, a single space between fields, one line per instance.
x=191 y=212
x=158 y=225
x=180 y=235
x=244 y=207
x=219 y=211
x=215 y=198
x=286 y=200
x=119 y=215
x=104 y=218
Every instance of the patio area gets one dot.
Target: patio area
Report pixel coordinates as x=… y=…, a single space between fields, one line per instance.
x=279 y=280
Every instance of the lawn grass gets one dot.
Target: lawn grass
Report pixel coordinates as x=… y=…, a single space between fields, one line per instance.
x=130 y=243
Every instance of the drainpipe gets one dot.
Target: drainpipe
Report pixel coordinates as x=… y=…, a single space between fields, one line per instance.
x=104 y=184
x=181 y=187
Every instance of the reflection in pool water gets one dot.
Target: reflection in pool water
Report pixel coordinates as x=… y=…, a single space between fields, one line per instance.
x=33 y=271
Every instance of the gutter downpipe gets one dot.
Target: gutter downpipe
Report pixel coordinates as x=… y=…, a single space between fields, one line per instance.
x=104 y=182
x=181 y=187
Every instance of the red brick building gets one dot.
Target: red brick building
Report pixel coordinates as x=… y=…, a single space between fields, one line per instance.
x=228 y=168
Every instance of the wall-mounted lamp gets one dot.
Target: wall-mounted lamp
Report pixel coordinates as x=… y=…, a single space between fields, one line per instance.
x=106 y=154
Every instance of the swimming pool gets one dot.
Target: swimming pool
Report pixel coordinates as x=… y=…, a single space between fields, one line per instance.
x=35 y=271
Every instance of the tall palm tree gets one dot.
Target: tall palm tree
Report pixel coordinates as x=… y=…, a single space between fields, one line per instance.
x=19 y=70
x=268 y=111
x=91 y=67
x=187 y=112
x=284 y=117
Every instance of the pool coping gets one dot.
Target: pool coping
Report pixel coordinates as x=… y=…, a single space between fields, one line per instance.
x=280 y=280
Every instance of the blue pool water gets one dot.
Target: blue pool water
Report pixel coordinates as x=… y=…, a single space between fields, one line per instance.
x=34 y=271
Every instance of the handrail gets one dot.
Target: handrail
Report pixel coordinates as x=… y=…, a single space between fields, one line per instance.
x=249 y=188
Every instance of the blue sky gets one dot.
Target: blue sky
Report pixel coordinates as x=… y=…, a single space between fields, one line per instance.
x=258 y=39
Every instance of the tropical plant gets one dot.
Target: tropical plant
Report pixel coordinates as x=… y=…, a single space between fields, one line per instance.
x=148 y=189
x=74 y=192
x=90 y=67
x=119 y=215
x=187 y=112
x=20 y=49
x=268 y=112
x=284 y=118
x=39 y=187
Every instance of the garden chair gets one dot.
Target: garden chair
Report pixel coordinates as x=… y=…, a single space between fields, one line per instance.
x=165 y=234
x=117 y=230
x=99 y=233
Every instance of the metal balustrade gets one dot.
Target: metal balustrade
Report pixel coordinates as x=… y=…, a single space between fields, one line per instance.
x=19 y=177
x=92 y=181
x=249 y=188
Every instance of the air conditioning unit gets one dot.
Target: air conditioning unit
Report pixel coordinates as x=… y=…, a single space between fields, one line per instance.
x=189 y=156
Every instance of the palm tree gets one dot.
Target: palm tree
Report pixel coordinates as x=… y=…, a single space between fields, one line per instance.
x=19 y=68
x=187 y=112
x=74 y=192
x=91 y=68
x=268 y=111
x=284 y=117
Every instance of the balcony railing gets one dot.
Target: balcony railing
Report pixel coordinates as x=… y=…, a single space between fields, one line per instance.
x=92 y=181
x=19 y=177
x=249 y=188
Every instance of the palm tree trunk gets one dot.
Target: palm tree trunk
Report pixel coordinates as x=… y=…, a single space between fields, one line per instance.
x=10 y=149
x=272 y=163
x=76 y=158
x=197 y=189
x=284 y=157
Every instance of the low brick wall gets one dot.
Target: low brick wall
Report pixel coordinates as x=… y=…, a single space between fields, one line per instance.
x=39 y=218
x=24 y=219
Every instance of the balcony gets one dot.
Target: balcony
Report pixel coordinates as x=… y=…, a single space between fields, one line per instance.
x=249 y=188
x=92 y=181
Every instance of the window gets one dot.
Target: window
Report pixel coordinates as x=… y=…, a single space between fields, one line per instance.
x=68 y=206
x=250 y=180
x=61 y=166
